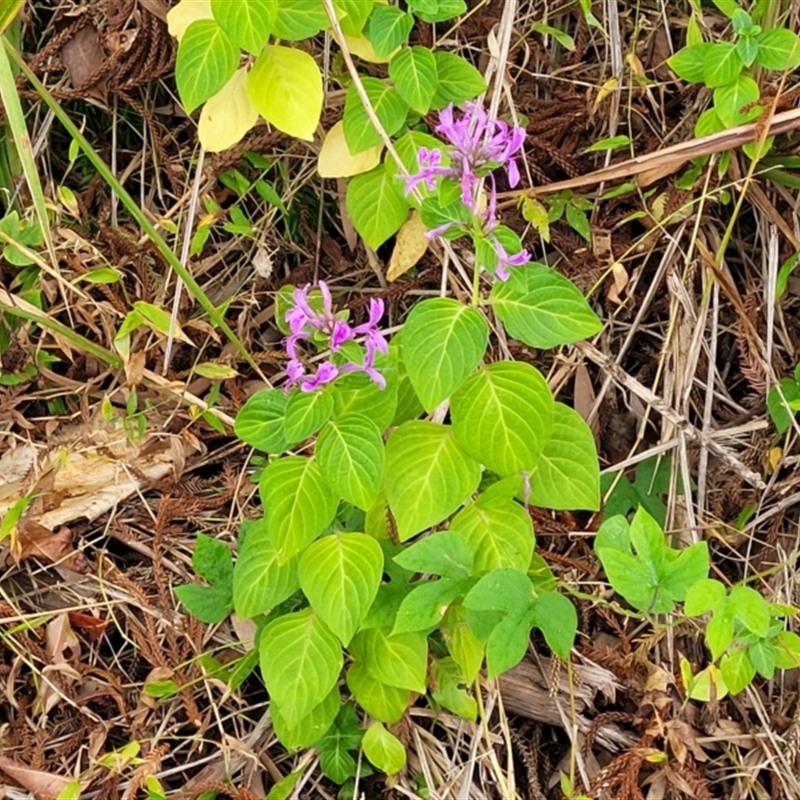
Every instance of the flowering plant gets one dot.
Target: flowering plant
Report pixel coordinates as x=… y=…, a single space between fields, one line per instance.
x=395 y=500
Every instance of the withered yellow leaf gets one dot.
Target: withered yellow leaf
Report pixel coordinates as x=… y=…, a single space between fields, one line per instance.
x=620 y=283
x=185 y=13
x=409 y=247
x=609 y=87
x=336 y=161
x=228 y=115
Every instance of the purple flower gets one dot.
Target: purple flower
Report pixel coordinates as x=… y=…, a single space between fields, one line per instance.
x=504 y=260
x=477 y=147
x=326 y=372
x=307 y=323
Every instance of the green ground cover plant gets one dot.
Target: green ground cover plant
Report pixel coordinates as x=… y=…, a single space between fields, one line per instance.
x=727 y=67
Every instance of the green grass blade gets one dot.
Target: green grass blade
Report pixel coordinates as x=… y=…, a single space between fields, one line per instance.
x=8 y=12
x=133 y=209
x=19 y=130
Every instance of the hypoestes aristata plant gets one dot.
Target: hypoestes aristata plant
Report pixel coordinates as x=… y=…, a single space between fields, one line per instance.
x=395 y=541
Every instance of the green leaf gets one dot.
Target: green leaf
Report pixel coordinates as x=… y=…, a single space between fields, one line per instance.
x=300 y=661
x=358 y=394
x=499 y=531
x=399 y=660
x=647 y=537
x=458 y=80
x=215 y=372
x=688 y=568
x=542 y=308
x=447 y=679
x=443 y=342
x=748 y=50
x=351 y=458
x=437 y=10
x=413 y=72
x=388 y=29
x=385 y=703
x=356 y=14
x=299 y=19
x=340 y=575
x=579 y=222
x=694 y=33
x=426 y=604
x=312 y=727
x=427 y=476
x=306 y=413
x=206 y=61
x=779 y=403
x=762 y=656
x=563 y=38
x=389 y=107
x=722 y=64
x=409 y=405
x=611 y=143
x=282 y=790
x=779 y=49
x=285 y=86
x=210 y=604
x=298 y=504
x=153 y=316
x=260 y=581
x=503 y=416
x=732 y=97
x=345 y=734
x=384 y=750
x=568 y=474
x=507 y=645
x=247 y=24
x=705 y=595
x=212 y=560
x=376 y=206
x=465 y=648
x=751 y=609
x=614 y=534
x=689 y=63
x=259 y=423
x=787 y=650
x=737 y=670
x=445 y=553
x=506 y=590
x=730 y=8
x=719 y=633
x=557 y=619
x=630 y=576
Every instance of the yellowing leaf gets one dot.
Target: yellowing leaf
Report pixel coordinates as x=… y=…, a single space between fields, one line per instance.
x=610 y=86
x=336 y=161
x=362 y=47
x=285 y=85
x=411 y=243
x=185 y=13
x=228 y=115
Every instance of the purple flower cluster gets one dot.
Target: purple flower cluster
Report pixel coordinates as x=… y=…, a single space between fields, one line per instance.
x=306 y=323
x=478 y=146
